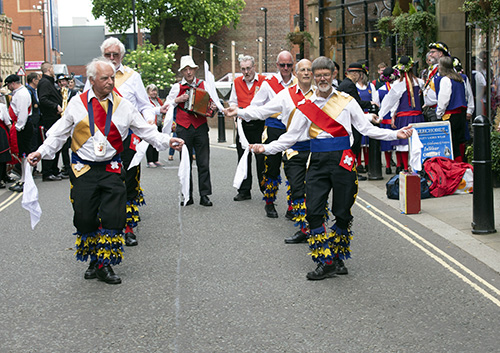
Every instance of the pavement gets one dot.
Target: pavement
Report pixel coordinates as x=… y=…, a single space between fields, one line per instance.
x=449 y=216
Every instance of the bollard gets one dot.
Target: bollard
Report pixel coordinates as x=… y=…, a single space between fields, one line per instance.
x=221 y=125
x=375 y=161
x=483 y=218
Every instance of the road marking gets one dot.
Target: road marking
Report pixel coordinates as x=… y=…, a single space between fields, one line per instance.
x=424 y=245
x=10 y=200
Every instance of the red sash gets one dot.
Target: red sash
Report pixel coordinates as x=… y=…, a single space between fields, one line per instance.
x=296 y=97
x=114 y=137
x=275 y=85
x=431 y=76
x=323 y=120
x=14 y=148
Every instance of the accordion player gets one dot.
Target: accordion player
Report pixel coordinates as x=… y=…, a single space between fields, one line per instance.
x=198 y=102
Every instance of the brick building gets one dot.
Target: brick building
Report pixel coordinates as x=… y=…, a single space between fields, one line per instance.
x=282 y=18
x=37 y=22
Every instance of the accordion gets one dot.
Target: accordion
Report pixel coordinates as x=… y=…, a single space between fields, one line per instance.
x=198 y=102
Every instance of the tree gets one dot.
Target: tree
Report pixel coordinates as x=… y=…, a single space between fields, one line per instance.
x=198 y=17
x=153 y=63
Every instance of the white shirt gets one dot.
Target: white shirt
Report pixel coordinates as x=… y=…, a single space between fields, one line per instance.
x=233 y=98
x=4 y=114
x=21 y=101
x=351 y=114
x=390 y=103
x=125 y=116
x=133 y=90
x=266 y=93
x=176 y=88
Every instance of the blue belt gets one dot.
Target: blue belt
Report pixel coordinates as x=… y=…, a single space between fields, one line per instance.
x=330 y=144
x=276 y=123
x=302 y=146
x=76 y=159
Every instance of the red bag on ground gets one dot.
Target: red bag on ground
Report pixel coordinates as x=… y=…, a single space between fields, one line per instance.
x=445 y=174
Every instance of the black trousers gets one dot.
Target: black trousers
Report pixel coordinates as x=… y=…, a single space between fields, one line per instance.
x=98 y=197
x=24 y=138
x=253 y=132
x=458 y=124
x=132 y=175
x=295 y=171
x=152 y=154
x=273 y=161
x=325 y=175
x=199 y=140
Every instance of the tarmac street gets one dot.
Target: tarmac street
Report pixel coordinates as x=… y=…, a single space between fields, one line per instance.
x=221 y=279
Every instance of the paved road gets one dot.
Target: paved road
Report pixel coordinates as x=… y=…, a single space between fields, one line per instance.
x=221 y=279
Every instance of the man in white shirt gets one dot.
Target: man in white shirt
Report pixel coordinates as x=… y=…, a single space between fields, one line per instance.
x=437 y=50
x=326 y=118
x=19 y=111
x=98 y=122
x=244 y=89
x=274 y=127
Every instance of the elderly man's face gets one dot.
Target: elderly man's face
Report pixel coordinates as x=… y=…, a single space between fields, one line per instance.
x=188 y=73
x=435 y=55
x=104 y=80
x=323 y=79
x=285 y=65
x=113 y=54
x=248 y=70
x=304 y=73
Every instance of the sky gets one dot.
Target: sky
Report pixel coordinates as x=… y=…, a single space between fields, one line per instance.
x=81 y=8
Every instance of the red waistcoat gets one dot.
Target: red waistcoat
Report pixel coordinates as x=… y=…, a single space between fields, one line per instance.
x=243 y=93
x=184 y=118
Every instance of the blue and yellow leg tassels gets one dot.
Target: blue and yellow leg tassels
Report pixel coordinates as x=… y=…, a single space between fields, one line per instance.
x=270 y=187
x=132 y=209
x=299 y=213
x=327 y=245
x=104 y=245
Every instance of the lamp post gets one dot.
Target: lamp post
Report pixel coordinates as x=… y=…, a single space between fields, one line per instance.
x=265 y=36
x=41 y=9
x=133 y=23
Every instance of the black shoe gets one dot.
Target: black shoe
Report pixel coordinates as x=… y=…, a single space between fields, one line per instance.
x=289 y=215
x=362 y=177
x=271 y=211
x=106 y=274
x=361 y=169
x=189 y=202
x=130 y=239
x=242 y=197
x=340 y=268
x=63 y=175
x=399 y=169
x=17 y=187
x=90 y=273
x=205 y=201
x=2 y=184
x=297 y=238
x=51 y=178
x=321 y=272
x=388 y=170
x=8 y=179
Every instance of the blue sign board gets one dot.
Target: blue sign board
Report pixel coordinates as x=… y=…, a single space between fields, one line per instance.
x=436 y=138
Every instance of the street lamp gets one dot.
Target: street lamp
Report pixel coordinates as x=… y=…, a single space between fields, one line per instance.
x=41 y=9
x=265 y=36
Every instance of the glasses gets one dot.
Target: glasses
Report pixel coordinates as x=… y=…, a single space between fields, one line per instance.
x=111 y=55
x=325 y=76
x=285 y=65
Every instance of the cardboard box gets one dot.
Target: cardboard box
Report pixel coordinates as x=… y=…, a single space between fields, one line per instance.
x=409 y=193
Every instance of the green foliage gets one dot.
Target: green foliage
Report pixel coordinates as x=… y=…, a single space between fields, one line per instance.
x=197 y=17
x=495 y=153
x=153 y=63
x=421 y=26
x=483 y=13
x=412 y=9
x=300 y=38
x=397 y=9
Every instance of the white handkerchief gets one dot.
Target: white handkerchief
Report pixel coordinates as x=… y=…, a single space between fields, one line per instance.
x=167 y=123
x=140 y=151
x=30 y=196
x=241 y=133
x=184 y=173
x=210 y=87
x=416 y=152
x=242 y=169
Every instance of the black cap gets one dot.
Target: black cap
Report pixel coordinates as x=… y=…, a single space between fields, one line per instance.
x=440 y=46
x=11 y=78
x=355 y=67
x=60 y=77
